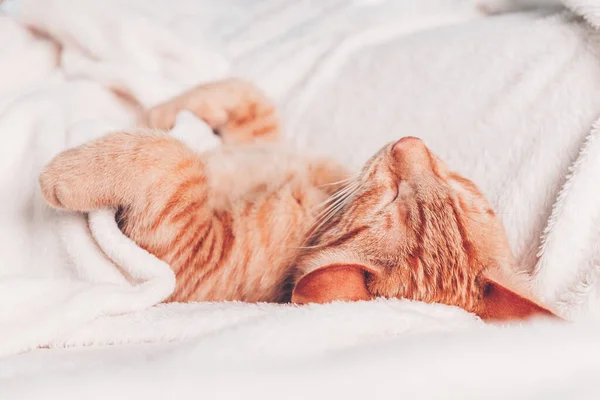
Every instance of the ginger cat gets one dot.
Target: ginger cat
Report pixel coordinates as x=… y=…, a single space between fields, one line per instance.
x=254 y=222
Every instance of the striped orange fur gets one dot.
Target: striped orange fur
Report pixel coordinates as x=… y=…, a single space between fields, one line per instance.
x=249 y=220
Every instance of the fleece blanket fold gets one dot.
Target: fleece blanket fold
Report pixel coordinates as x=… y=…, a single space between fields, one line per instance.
x=510 y=101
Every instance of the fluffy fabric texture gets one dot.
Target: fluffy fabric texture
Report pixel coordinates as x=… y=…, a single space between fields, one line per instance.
x=513 y=114
x=353 y=351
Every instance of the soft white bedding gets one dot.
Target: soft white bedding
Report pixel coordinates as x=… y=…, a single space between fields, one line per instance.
x=444 y=359
x=507 y=101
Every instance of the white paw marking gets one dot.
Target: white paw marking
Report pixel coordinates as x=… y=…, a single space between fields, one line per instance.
x=194 y=132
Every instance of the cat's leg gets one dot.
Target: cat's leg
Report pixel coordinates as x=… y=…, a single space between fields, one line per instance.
x=151 y=175
x=164 y=196
x=236 y=110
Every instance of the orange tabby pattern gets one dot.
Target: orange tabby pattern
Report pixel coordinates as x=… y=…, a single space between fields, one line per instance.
x=251 y=221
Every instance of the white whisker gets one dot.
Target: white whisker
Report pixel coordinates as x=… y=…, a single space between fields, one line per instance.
x=332 y=210
x=340 y=193
x=334 y=204
x=352 y=178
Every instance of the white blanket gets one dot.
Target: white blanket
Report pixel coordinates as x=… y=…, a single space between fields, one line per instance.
x=352 y=351
x=507 y=101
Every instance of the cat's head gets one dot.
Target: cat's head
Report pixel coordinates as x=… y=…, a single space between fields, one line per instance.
x=411 y=228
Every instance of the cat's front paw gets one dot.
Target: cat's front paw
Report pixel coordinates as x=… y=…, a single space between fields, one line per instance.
x=200 y=102
x=160 y=117
x=48 y=185
x=237 y=110
x=63 y=181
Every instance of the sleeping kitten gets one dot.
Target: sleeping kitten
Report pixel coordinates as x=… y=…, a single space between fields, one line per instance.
x=252 y=221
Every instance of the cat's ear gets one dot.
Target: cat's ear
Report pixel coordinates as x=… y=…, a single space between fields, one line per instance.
x=343 y=282
x=502 y=304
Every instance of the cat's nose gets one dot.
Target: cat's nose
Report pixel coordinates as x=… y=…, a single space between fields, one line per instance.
x=408 y=142
x=410 y=154
x=409 y=146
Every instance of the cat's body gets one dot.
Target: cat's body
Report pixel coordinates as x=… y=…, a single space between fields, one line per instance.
x=251 y=221
x=262 y=200
x=231 y=221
